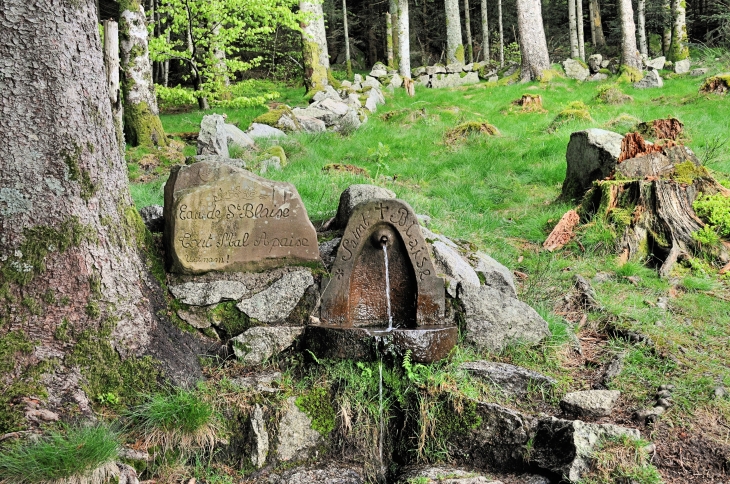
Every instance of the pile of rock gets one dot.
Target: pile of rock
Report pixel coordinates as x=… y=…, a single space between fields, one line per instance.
x=457 y=74
x=581 y=71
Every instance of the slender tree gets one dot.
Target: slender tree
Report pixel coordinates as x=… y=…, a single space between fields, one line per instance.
x=75 y=310
x=572 y=21
x=454 y=47
x=348 y=62
x=389 y=40
x=393 y=8
x=641 y=17
x=667 y=27
x=593 y=26
x=467 y=29
x=501 y=33
x=678 y=50
x=581 y=36
x=142 y=125
x=533 y=46
x=629 y=54
x=404 y=45
x=485 y=32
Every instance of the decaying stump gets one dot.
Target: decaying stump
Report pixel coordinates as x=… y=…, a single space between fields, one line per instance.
x=669 y=128
x=649 y=201
x=719 y=84
x=409 y=86
x=530 y=103
x=563 y=231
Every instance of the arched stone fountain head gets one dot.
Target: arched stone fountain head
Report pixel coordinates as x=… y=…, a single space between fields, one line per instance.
x=383 y=288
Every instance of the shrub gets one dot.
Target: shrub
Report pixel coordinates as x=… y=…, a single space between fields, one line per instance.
x=82 y=455
x=175 y=96
x=715 y=211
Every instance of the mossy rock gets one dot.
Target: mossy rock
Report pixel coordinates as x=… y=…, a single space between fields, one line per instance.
x=629 y=74
x=272 y=117
x=464 y=130
x=549 y=74
x=611 y=94
x=279 y=152
x=574 y=111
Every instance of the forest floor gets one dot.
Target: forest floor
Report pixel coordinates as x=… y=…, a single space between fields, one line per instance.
x=501 y=194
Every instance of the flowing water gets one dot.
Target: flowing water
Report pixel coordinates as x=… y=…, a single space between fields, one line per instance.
x=387 y=288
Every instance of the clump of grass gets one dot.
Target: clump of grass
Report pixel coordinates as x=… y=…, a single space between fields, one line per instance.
x=623 y=123
x=180 y=419
x=622 y=460
x=574 y=111
x=611 y=94
x=71 y=456
x=465 y=130
x=699 y=283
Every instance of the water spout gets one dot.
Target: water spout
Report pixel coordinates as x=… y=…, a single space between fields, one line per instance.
x=387 y=285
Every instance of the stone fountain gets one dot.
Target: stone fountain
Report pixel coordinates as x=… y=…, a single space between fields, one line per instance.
x=382 y=294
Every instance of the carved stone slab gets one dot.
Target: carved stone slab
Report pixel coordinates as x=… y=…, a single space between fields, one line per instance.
x=355 y=293
x=223 y=218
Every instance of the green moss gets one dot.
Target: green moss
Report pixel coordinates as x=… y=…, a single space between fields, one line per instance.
x=574 y=111
x=719 y=83
x=549 y=74
x=39 y=241
x=141 y=126
x=61 y=333
x=605 y=71
x=715 y=211
x=506 y=81
x=315 y=74
x=279 y=152
x=332 y=81
x=92 y=310
x=49 y=297
x=32 y=305
x=629 y=74
x=273 y=116
x=317 y=404
x=227 y=317
x=687 y=172
x=459 y=54
x=621 y=217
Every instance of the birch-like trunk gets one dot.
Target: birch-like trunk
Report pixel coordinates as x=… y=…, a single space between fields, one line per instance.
x=679 y=50
x=501 y=33
x=581 y=37
x=467 y=28
x=393 y=8
x=348 y=61
x=593 y=25
x=69 y=232
x=404 y=54
x=641 y=17
x=572 y=22
x=485 y=31
x=667 y=29
x=142 y=125
x=454 y=46
x=314 y=46
x=389 y=40
x=533 y=46
x=597 y=24
x=629 y=53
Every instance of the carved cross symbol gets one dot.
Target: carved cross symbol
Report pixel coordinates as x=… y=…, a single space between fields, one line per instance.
x=382 y=209
x=339 y=273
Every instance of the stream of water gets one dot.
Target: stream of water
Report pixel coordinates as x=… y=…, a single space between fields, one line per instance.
x=387 y=288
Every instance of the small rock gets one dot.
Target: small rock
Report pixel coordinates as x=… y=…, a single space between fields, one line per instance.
x=664 y=394
x=719 y=392
x=662 y=302
x=196 y=319
x=656 y=64
x=663 y=402
x=355 y=194
x=296 y=437
x=41 y=415
x=602 y=277
x=264 y=131
x=508 y=378
x=311 y=125
x=590 y=403
x=256 y=345
x=153 y=218
x=594 y=63
x=129 y=453
x=263 y=382
x=277 y=301
x=212 y=138
x=702 y=71
x=207 y=293
x=597 y=77
x=682 y=67
x=261 y=437
x=650 y=80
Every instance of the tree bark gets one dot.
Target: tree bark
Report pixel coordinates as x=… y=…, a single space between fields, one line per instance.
x=597 y=25
x=501 y=33
x=629 y=54
x=389 y=40
x=348 y=61
x=485 y=32
x=581 y=36
x=112 y=65
x=467 y=28
x=641 y=16
x=533 y=45
x=393 y=8
x=679 y=50
x=404 y=45
x=142 y=125
x=454 y=47
x=593 y=26
x=667 y=29
x=314 y=47
x=73 y=281
x=572 y=21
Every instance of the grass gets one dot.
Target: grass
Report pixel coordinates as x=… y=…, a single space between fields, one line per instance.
x=80 y=455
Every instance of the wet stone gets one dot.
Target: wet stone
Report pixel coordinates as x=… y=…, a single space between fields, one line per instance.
x=223 y=218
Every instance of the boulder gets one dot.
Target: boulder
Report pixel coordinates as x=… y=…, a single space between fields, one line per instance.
x=701 y=71
x=353 y=100
x=442 y=475
x=656 y=64
x=493 y=79
x=313 y=111
x=335 y=106
x=213 y=137
x=396 y=81
x=237 y=162
x=598 y=76
x=349 y=122
x=575 y=69
x=591 y=155
x=331 y=473
x=371 y=82
x=565 y=447
x=423 y=80
x=590 y=403
x=357 y=79
x=355 y=194
x=378 y=73
x=493 y=274
x=418 y=71
x=455 y=67
x=651 y=79
x=153 y=218
x=236 y=137
x=682 y=66
x=259 y=131
x=277 y=301
x=509 y=378
x=594 y=63
x=256 y=345
x=297 y=439
x=445 y=80
x=328 y=93
x=371 y=104
x=493 y=321
x=448 y=262
x=207 y=293
x=470 y=78
x=288 y=123
x=377 y=95
x=311 y=125
x=437 y=69
x=269 y=163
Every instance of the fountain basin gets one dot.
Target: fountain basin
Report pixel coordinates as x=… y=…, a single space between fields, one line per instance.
x=427 y=343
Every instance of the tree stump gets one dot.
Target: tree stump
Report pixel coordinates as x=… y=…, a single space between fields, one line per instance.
x=530 y=103
x=669 y=128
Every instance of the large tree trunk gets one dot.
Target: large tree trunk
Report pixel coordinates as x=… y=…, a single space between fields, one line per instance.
x=597 y=26
x=679 y=50
x=314 y=47
x=642 y=28
x=501 y=33
x=629 y=54
x=467 y=28
x=533 y=45
x=404 y=43
x=573 y=23
x=454 y=47
x=581 y=36
x=74 y=288
x=142 y=125
x=593 y=26
x=485 y=32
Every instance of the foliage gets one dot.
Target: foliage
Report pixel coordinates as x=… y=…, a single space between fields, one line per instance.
x=174 y=96
x=715 y=210
x=76 y=454
x=317 y=404
x=379 y=155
